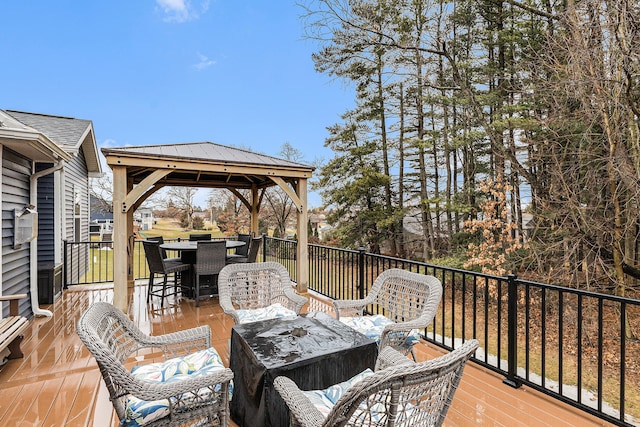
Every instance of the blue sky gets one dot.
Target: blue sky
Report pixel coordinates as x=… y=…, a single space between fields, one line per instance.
x=235 y=72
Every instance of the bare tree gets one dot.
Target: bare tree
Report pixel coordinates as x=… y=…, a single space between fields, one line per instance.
x=588 y=198
x=183 y=199
x=279 y=207
x=102 y=194
x=233 y=215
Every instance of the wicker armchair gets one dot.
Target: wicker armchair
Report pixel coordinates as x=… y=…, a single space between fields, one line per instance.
x=256 y=287
x=200 y=397
x=409 y=300
x=399 y=393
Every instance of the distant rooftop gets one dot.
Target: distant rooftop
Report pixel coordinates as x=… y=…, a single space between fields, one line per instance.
x=69 y=133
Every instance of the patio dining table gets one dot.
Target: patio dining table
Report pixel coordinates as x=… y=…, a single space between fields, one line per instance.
x=190 y=245
x=187 y=250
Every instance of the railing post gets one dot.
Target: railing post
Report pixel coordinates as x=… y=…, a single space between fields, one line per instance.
x=361 y=272
x=264 y=247
x=65 y=283
x=512 y=333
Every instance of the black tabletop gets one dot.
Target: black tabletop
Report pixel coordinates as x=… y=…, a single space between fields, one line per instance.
x=280 y=342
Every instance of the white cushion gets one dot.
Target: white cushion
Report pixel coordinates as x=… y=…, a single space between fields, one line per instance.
x=372 y=327
x=273 y=311
x=325 y=399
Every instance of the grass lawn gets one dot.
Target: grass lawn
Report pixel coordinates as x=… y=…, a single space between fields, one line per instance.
x=101 y=257
x=170 y=229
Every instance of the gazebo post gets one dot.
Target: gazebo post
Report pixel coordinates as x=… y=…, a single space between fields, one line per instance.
x=130 y=237
x=302 y=259
x=120 y=240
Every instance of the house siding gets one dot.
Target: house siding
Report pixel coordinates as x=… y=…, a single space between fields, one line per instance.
x=15 y=262
x=46 y=216
x=76 y=181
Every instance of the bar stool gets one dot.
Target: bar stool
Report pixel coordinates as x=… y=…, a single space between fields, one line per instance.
x=160 y=265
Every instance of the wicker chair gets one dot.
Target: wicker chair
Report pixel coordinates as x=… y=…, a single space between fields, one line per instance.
x=399 y=393
x=210 y=259
x=165 y=266
x=243 y=250
x=199 y=397
x=160 y=240
x=253 y=287
x=252 y=255
x=409 y=300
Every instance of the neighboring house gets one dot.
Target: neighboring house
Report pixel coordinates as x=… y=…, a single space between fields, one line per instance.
x=46 y=162
x=101 y=217
x=99 y=209
x=144 y=217
x=319 y=224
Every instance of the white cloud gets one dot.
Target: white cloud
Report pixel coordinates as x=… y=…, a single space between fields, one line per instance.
x=182 y=10
x=205 y=62
x=108 y=143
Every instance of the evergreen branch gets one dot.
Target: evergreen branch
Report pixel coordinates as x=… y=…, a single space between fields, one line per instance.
x=527 y=8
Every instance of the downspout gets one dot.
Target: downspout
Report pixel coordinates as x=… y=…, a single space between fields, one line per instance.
x=33 y=246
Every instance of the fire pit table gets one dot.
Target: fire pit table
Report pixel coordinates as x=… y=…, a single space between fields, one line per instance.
x=314 y=350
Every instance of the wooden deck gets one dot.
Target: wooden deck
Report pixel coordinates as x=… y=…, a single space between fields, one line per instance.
x=57 y=383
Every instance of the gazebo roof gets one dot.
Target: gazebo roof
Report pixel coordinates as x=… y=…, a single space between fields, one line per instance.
x=205 y=164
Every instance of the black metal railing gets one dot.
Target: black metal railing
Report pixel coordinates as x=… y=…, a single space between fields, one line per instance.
x=92 y=262
x=281 y=250
x=574 y=345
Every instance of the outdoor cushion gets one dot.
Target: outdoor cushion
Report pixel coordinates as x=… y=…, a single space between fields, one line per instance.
x=141 y=412
x=273 y=311
x=372 y=327
x=324 y=400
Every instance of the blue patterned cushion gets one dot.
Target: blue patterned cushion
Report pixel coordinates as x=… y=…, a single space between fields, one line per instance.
x=271 y=312
x=372 y=327
x=141 y=412
x=324 y=400
x=162 y=371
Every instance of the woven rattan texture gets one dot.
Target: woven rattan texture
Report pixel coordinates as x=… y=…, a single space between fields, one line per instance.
x=254 y=248
x=400 y=393
x=243 y=250
x=112 y=338
x=409 y=299
x=250 y=286
x=210 y=259
x=158 y=264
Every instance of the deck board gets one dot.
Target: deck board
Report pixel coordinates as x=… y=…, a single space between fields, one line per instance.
x=58 y=383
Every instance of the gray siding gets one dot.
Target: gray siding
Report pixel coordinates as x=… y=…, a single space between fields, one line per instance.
x=76 y=180
x=46 y=217
x=15 y=195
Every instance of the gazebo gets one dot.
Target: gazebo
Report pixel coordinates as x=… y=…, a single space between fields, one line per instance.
x=138 y=172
